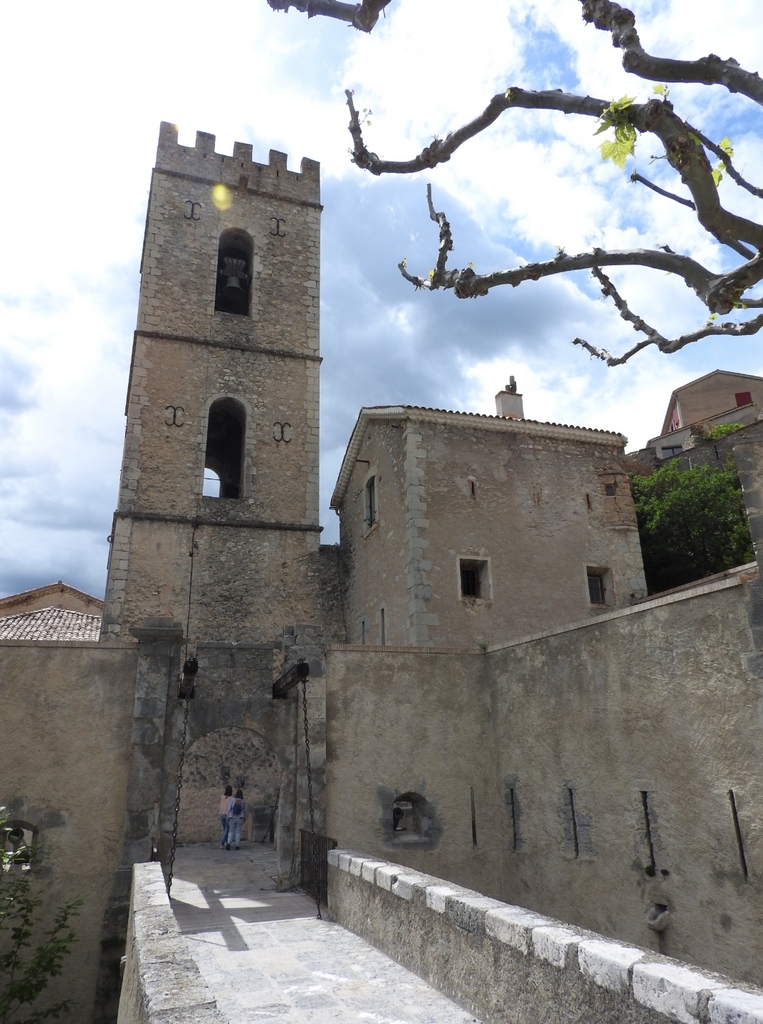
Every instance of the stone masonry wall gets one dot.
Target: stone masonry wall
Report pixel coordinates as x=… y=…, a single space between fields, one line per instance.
x=64 y=761
x=597 y=773
x=506 y=964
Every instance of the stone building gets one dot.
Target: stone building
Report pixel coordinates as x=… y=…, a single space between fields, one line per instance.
x=576 y=755
x=223 y=384
x=460 y=529
x=717 y=398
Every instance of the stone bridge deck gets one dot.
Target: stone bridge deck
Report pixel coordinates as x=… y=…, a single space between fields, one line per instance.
x=266 y=957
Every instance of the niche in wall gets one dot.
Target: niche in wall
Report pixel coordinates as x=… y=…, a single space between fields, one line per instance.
x=409 y=819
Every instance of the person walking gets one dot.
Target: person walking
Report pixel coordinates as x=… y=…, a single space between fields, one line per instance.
x=224 y=806
x=236 y=818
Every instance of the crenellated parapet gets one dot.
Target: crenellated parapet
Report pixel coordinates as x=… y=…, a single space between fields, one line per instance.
x=239 y=170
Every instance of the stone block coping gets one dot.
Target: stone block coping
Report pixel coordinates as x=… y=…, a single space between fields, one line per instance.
x=676 y=991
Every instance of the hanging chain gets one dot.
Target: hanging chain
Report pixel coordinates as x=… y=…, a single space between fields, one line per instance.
x=177 y=795
x=313 y=838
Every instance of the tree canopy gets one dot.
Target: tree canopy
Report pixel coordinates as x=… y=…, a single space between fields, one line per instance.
x=699 y=163
x=692 y=523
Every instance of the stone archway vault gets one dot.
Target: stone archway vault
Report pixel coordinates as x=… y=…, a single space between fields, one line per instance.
x=228 y=756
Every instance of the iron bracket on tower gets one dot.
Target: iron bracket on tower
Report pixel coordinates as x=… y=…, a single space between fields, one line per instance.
x=290 y=678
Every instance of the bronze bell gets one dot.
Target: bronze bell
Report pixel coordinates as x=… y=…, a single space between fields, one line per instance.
x=233 y=289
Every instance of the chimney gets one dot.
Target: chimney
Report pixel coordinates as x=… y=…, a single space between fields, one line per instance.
x=508 y=403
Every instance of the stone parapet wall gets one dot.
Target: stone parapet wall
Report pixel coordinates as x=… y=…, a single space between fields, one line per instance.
x=505 y=963
x=201 y=160
x=162 y=982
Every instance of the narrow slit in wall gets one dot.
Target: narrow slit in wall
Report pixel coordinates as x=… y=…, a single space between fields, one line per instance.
x=738 y=832
x=513 y=819
x=474 y=816
x=651 y=869
x=574 y=823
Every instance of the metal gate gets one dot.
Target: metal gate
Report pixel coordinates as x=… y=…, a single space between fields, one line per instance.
x=314 y=872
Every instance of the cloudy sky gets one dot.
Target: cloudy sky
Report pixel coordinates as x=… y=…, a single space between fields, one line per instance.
x=85 y=86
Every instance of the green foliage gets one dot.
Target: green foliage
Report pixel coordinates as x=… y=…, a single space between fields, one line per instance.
x=617 y=116
x=692 y=523
x=720 y=167
x=721 y=430
x=29 y=956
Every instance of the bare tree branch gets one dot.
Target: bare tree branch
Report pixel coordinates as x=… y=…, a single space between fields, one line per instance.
x=362 y=16
x=720 y=293
x=686 y=150
x=727 y=329
x=684 y=153
x=723 y=156
x=441 y=150
x=661 y=191
x=609 y=291
x=711 y=70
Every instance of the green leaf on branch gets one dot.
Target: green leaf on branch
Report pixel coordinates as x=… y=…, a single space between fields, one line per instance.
x=618 y=117
x=727 y=147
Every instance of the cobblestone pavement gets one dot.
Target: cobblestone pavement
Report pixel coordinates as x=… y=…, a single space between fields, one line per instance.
x=268 y=960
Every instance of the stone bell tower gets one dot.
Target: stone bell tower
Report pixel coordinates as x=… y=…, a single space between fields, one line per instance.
x=217 y=518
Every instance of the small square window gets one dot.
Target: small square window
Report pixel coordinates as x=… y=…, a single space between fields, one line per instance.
x=743 y=398
x=609 y=490
x=474 y=580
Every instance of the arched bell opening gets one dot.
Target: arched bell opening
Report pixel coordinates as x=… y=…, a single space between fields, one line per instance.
x=233 y=290
x=224 y=456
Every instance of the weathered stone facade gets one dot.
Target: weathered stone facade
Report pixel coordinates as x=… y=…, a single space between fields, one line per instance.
x=466 y=762
x=223 y=378
x=535 y=507
x=256 y=565
x=586 y=773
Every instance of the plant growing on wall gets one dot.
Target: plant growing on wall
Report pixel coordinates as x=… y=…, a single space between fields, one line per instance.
x=692 y=523
x=30 y=953
x=721 y=430
x=703 y=177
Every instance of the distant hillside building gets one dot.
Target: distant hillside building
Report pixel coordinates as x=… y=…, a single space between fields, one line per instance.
x=718 y=397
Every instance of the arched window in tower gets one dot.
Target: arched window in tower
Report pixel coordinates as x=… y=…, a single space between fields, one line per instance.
x=234 y=272
x=224 y=456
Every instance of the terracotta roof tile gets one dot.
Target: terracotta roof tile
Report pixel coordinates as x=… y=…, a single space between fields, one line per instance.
x=50 y=624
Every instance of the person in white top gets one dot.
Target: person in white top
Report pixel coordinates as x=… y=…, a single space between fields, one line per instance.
x=224 y=805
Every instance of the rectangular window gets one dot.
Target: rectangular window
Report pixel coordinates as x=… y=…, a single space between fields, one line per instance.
x=598 y=586
x=665 y=453
x=370 y=502
x=470 y=581
x=743 y=398
x=474 y=579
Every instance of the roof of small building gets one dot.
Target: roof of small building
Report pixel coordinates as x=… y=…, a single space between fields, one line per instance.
x=50 y=624
x=726 y=373
x=558 y=431
x=55 y=592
